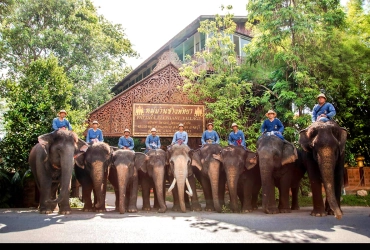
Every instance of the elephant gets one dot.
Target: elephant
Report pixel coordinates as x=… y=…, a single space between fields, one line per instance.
x=243 y=177
x=152 y=174
x=323 y=145
x=91 y=170
x=51 y=161
x=211 y=176
x=123 y=175
x=277 y=161
x=179 y=173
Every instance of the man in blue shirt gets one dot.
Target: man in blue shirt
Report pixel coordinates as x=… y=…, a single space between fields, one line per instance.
x=323 y=111
x=181 y=136
x=236 y=137
x=61 y=122
x=94 y=134
x=273 y=125
x=210 y=136
x=125 y=141
x=152 y=141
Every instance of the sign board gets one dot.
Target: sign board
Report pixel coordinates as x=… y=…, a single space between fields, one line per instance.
x=166 y=119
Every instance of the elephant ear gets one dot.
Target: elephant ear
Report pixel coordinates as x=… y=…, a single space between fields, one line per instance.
x=168 y=155
x=79 y=160
x=304 y=140
x=250 y=159
x=46 y=139
x=140 y=159
x=289 y=153
x=218 y=157
x=195 y=158
x=82 y=145
x=342 y=140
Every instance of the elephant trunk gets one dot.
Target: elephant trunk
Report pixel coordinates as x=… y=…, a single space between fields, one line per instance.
x=122 y=176
x=180 y=176
x=232 y=183
x=67 y=164
x=214 y=176
x=327 y=172
x=158 y=178
x=97 y=175
x=268 y=187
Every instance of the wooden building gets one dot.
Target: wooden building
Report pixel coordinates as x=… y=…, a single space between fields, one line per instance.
x=151 y=95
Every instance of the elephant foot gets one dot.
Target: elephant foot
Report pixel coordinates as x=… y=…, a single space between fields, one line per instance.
x=209 y=209
x=273 y=210
x=318 y=213
x=330 y=212
x=196 y=207
x=162 y=210
x=147 y=209
x=245 y=211
x=100 y=210
x=176 y=208
x=295 y=207
x=132 y=209
x=285 y=210
x=87 y=210
x=65 y=212
x=46 y=211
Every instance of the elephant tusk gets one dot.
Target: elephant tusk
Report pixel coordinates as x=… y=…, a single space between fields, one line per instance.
x=172 y=185
x=190 y=192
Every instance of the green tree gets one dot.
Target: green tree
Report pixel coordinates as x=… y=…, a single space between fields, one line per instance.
x=89 y=48
x=289 y=36
x=43 y=88
x=223 y=91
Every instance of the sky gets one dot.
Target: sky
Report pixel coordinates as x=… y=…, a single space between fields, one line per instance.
x=149 y=24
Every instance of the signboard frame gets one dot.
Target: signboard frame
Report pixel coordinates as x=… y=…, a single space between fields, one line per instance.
x=166 y=119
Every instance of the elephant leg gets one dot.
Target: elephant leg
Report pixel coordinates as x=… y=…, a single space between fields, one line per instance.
x=246 y=200
x=133 y=196
x=195 y=205
x=155 y=194
x=207 y=191
x=284 y=186
x=268 y=195
x=145 y=190
x=316 y=189
x=246 y=195
x=45 y=194
x=54 y=192
x=187 y=201
x=86 y=197
x=284 y=199
x=175 y=195
x=256 y=187
x=222 y=189
x=103 y=191
x=295 y=204
x=157 y=205
x=240 y=192
x=176 y=200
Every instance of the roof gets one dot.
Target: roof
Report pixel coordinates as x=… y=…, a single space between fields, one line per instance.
x=173 y=43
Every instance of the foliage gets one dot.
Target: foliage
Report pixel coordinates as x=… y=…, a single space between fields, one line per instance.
x=223 y=91
x=75 y=203
x=43 y=88
x=54 y=55
x=91 y=50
